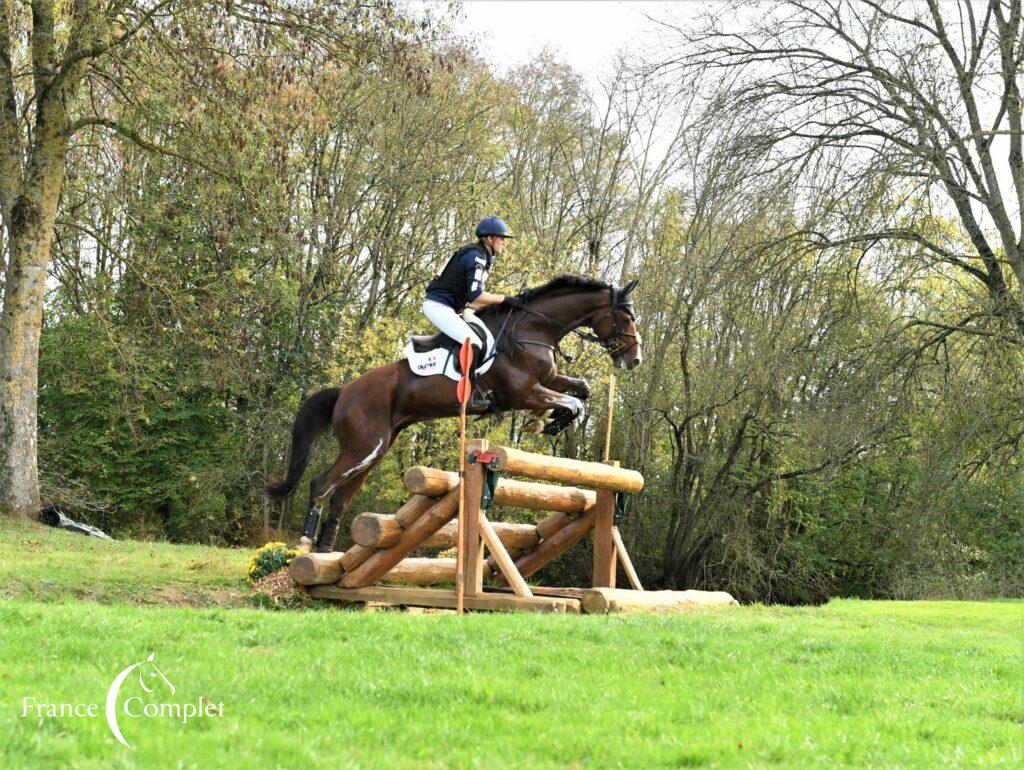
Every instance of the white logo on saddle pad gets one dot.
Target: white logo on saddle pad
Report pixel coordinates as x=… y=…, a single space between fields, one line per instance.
x=441 y=361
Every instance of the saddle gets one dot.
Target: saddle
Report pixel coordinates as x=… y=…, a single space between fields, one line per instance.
x=430 y=354
x=424 y=343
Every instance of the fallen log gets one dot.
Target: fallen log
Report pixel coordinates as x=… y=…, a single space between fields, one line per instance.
x=603 y=601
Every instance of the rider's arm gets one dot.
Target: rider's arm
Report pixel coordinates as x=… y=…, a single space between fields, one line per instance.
x=476 y=273
x=486 y=298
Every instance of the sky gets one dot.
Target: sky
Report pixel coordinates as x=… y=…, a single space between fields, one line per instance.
x=586 y=34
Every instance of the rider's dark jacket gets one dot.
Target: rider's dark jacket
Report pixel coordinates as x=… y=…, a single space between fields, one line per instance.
x=462 y=279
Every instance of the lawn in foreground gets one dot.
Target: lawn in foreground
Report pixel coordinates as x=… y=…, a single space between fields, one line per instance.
x=853 y=684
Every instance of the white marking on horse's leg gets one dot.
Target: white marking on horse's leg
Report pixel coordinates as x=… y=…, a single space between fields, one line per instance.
x=571 y=403
x=358 y=467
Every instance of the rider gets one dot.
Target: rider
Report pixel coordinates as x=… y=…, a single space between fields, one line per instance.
x=460 y=284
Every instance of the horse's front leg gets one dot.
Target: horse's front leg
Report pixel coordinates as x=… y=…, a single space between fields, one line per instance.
x=575 y=386
x=542 y=398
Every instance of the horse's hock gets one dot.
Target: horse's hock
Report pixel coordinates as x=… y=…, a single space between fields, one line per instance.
x=379 y=568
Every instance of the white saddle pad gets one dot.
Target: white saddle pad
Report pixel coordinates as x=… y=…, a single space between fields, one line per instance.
x=442 y=361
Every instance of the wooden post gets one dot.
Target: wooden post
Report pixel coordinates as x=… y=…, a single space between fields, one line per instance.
x=611 y=410
x=604 y=544
x=471 y=547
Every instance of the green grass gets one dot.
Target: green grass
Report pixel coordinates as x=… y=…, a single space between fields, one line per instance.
x=851 y=684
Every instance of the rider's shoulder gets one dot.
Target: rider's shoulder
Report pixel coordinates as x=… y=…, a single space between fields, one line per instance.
x=472 y=252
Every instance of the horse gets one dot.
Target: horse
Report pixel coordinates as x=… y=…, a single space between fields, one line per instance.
x=368 y=413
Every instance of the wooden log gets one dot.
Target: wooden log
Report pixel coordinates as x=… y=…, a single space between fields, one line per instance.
x=310 y=569
x=428 y=597
x=375 y=530
x=380 y=562
x=545 y=529
x=416 y=506
x=554 y=546
x=622 y=600
x=423 y=572
x=355 y=556
x=552 y=524
x=381 y=530
x=509 y=492
x=433 y=482
x=567 y=471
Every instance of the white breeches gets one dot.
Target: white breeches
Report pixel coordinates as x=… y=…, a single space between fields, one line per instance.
x=449 y=322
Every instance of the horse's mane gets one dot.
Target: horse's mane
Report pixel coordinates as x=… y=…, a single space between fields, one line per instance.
x=560 y=282
x=565 y=281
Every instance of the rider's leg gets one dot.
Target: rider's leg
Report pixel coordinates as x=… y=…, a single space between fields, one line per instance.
x=448 y=321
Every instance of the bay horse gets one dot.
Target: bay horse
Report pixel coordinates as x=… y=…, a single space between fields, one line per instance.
x=367 y=414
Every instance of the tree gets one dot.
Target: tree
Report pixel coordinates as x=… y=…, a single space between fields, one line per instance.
x=918 y=103
x=77 y=67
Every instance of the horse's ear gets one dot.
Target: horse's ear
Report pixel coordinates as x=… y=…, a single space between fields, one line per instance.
x=628 y=288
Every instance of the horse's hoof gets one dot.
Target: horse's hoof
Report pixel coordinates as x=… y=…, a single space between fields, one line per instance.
x=533 y=426
x=305 y=545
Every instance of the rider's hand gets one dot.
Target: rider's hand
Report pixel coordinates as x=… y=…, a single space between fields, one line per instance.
x=512 y=302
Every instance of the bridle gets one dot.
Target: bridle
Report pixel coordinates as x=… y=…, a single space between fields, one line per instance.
x=611 y=343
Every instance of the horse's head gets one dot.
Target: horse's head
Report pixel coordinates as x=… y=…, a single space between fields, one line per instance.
x=616 y=328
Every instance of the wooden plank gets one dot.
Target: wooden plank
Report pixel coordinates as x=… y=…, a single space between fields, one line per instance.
x=567 y=471
x=604 y=545
x=380 y=562
x=627 y=563
x=509 y=492
x=507 y=566
x=430 y=597
x=622 y=600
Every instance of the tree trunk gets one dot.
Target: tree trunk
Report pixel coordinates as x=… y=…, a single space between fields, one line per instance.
x=32 y=222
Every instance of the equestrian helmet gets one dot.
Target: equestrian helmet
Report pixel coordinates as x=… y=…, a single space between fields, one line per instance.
x=493 y=226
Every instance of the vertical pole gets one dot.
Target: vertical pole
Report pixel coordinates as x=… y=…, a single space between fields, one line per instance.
x=460 y=531
x=472 y=543
x=611 y=409
x=604 y=541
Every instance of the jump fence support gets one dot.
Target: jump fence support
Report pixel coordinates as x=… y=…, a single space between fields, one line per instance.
x=384 y=544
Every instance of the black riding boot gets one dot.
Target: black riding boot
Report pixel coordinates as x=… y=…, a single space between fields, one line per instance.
x=480 y=400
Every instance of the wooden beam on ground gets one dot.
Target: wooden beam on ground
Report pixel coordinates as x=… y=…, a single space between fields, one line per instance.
x=621 y=600
x=422 y=480
x=381 y=530
x=380 y=562
x=428 y=597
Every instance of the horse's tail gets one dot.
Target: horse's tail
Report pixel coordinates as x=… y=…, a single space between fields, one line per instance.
x=313 y=419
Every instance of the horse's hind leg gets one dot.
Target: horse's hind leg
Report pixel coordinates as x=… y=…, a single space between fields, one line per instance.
x=352 y=463
x=340 y=501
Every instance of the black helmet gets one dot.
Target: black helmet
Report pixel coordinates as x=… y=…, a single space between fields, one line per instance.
x=493 y=226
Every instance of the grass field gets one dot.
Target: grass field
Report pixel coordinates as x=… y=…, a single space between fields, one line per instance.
x=850 y=684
